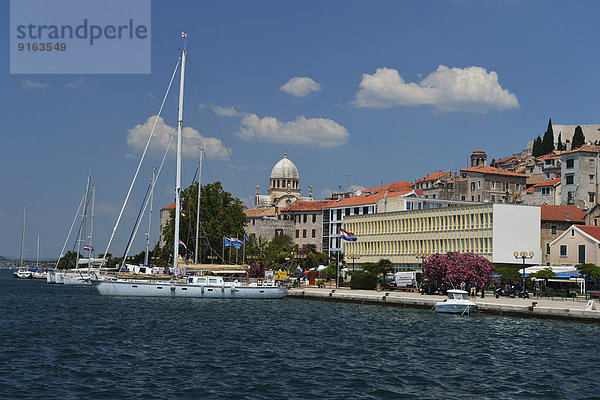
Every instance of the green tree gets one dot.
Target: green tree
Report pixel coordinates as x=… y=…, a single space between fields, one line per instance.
x=561 y=146
x=578 y=138
x=537 y=147
x=385 y=266
x=363 y=280
x=68 y=260
x=544 y=274
x=548 y=140
x=591 y=271
x=221 y=215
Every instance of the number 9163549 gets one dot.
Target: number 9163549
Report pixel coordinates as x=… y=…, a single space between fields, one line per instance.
x=48 y=46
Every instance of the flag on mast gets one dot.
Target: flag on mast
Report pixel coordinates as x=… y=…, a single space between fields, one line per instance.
x=348 y=236
x=183 y=34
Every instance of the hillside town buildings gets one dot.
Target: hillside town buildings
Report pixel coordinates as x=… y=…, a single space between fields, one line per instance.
x=518 y=203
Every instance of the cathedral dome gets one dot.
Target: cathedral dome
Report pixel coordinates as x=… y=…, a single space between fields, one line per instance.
x=285 y=169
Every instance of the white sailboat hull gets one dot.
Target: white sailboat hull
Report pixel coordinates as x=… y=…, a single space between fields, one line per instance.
x=167 y=289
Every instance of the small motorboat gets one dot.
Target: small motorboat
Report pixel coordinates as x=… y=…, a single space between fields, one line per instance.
x=458 y=302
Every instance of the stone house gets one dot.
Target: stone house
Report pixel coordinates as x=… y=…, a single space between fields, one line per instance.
x=307 y=217
x=577 y=245
x=267 y=223
x=555 y=219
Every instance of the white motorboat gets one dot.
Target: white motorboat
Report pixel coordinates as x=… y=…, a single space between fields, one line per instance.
x=193 y=286
x=23 y=273
x=458 y=302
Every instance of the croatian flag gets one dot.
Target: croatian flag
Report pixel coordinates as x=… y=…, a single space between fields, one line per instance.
x=349 y=236
x=182 y=244
x=88 y=247
x=183 y=34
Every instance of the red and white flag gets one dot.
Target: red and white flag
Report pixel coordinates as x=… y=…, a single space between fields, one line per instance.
x=183 y=34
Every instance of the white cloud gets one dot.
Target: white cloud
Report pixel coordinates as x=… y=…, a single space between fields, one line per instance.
x=300 y=86
x=447 y=89
x=317 y=132
x=192 y=139
x=34 y=85
x=227 y=111
x=79 y=83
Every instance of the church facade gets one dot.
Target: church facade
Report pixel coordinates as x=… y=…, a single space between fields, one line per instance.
x=284 y=186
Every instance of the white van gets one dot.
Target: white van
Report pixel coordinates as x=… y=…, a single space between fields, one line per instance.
x=406 y=279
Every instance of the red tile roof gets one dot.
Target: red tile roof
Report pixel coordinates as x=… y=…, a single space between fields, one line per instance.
x=303 y=205
x=586 y=149
x=391 y=187
x=435 y=175
x=548 y=183
x=562 y=213
x=593 y=231
x=260 y=212
x=362 y=200
x=502 y=160
x=170 y=207
x=548 y=157
x=492 y=171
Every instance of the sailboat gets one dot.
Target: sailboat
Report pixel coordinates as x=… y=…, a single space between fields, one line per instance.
x=22 y=272
x=186 y=286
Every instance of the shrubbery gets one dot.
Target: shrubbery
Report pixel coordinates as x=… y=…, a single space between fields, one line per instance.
x=363 y=280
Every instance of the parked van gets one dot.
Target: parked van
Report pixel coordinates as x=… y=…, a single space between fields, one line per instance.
x=406 y=279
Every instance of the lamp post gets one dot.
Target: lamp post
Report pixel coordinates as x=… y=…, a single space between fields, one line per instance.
x=524 y=255
x=422 y=255
x=352 y=257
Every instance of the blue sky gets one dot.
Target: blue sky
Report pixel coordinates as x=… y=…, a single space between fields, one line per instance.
x=388 y=91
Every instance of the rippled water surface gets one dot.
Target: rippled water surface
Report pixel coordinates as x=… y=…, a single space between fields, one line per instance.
x=60 y=342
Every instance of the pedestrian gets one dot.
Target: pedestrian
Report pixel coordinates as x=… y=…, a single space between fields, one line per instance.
x=473 y=290
x=463 y=285
x=483 y=290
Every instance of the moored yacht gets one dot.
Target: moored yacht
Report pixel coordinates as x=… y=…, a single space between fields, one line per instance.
x=458 y=302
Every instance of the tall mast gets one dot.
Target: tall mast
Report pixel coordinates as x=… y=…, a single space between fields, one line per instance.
x=91 y=237
x=150 y=218
x=22 y=240
x=85 y=204
x=198 y=210
x=178 y=178
x=37 y=253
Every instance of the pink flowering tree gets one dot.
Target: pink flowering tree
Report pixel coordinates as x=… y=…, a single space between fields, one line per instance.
x=457 y=267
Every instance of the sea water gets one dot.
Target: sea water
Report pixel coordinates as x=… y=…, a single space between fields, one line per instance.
x=66 y=342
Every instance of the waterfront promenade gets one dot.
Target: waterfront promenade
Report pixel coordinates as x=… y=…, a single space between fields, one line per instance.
x=532 y=307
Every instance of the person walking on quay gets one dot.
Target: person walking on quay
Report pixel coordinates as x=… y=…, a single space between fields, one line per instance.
x=463 y=285
x=483 y=290
x=473 y=290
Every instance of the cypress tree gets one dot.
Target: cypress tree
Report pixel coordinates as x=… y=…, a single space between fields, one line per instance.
x=537 y=147
x=561 y=147
x=548 y=140
x=578 y=138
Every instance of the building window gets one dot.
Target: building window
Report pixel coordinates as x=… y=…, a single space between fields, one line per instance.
x=278 y=232
x=493 y=198
x=569 y=179
x=365 y=210
x=339 y=214
x=478 y=197
x=570 y=163
x=462 y=198
x=314 y=233
x=545 y=190
x=478 y=184
x=253 y=221
x=516 y=187
x=472 y=185
x=547 y=248
x=347 y=211
x=592 y=197
x=303 y=233
x=304 y=219
x=297 y=233
x=569 y=196
x=493 y=184
x=591 y=178
x=553 y=229
x=314 y=218
x=563 y=250
x=572 y=232
x=356 y=209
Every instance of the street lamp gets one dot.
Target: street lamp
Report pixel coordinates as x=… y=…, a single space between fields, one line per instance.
x=352 y=257
x=422 y=255
x=524 y=255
